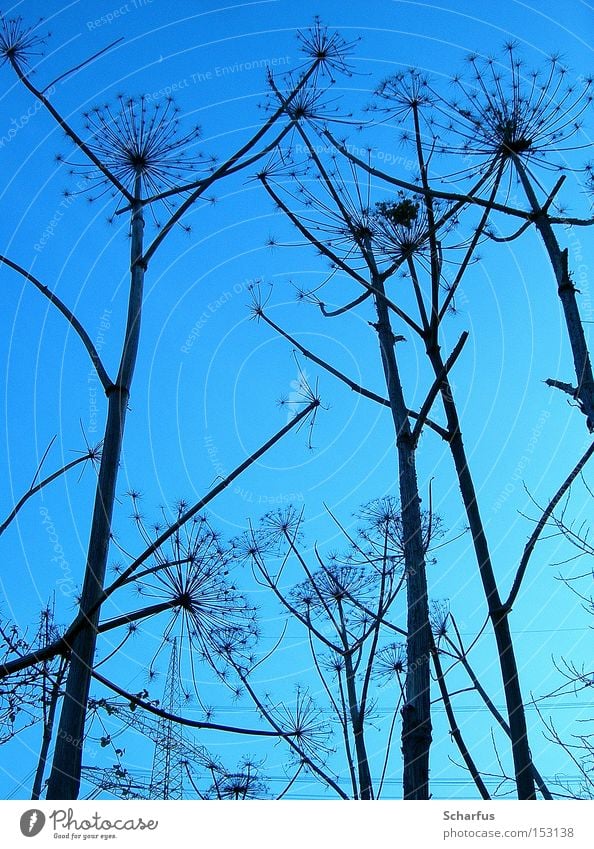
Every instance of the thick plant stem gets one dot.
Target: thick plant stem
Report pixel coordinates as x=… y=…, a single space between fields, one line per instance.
x=65 y=776
x=48 y=729
x=61 y=646
x=64 y=782
x=567 y=295
x=497 y=613
x=365 y=786
x=416 y=712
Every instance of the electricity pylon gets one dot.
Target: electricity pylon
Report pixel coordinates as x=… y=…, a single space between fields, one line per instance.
x=172 y=754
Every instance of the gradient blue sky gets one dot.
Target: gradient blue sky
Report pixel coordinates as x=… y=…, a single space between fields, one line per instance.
x=224 y=386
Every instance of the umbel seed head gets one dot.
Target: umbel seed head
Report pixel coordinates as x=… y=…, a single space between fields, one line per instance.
x=20 y=44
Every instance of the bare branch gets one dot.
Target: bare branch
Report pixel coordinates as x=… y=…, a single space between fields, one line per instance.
x=467 y=198
x=564 y=387
x=454 y=730
x=436 y=386
x=225 y=168
x=325 y=251
x=546 y=514
x=72 y=135
x=81 y=65
x=36 y=488
x=62 y=645
x=182 y=720
x=70 y=317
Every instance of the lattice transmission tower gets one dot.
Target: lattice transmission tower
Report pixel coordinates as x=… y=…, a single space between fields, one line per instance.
x=170 y=753
x=173 y=754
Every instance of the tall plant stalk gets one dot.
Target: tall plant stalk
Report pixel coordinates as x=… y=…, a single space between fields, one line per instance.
x=416 y=712
x=139 y=156
x=498 y=614
x=416 y=732
x=583 y=392
x=403 y=231
x=342 y=602
x=48 y=729
x=64 y=781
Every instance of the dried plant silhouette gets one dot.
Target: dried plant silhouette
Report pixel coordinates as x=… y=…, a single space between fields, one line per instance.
x=346 y=604
x=431 y=235
x=491 y=152
x=524 y=123
x=141 y=156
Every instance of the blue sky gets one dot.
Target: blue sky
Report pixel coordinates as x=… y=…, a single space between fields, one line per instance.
x=208 y=379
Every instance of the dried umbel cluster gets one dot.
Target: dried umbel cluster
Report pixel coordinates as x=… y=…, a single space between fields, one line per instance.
x=142 y=151
x=20 y=45
x=390 y=665
x=326 y=48
x=245 y=783
x=502 y=110
x=142 y=139
x=495 y=121
x=189 y=581
x=498 y=125
x=22 y=696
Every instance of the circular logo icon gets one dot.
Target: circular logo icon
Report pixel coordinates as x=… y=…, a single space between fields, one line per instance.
x=32 y=822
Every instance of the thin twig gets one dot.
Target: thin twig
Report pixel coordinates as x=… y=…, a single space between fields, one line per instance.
x=34 y=489
x=436 y=386
x=529 y=548
x=182 y=720
x=81 y=65
x=70 y=317
x=361 y=390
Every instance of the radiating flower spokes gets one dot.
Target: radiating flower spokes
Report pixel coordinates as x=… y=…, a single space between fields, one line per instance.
x=402 y=229
x=304 y=721
x=338 y=585
x=504 y=111
x=439 y=618
x=327 y=48
x=137 y=140
x=188 y=581
x=343 y=212
x=390 y=663
x=382 y=530
x=310 y=102
x=20 y=44
x=281 y=525
x=403 y=93
x=334 y=663
x=245 y=783
x=337 y=208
